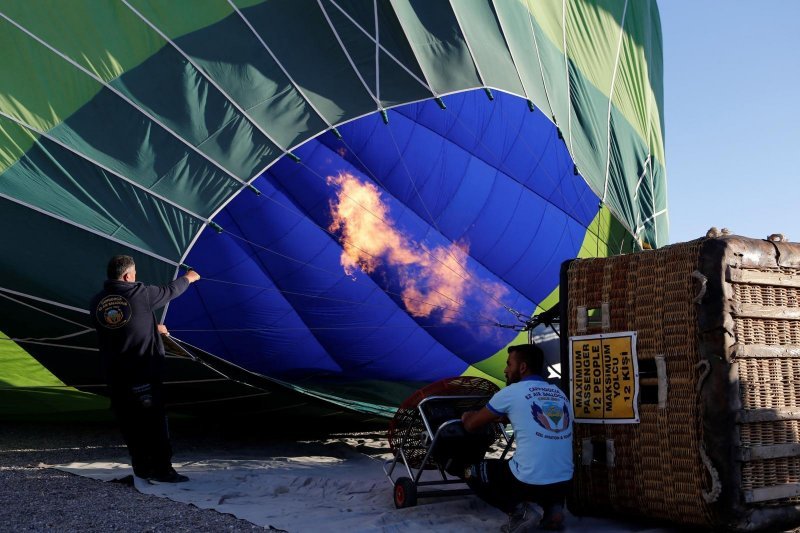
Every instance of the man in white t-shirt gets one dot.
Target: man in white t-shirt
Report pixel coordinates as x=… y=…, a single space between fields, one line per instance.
x=541 y=469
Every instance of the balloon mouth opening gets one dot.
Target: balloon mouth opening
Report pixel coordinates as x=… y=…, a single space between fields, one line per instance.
x=395 y=251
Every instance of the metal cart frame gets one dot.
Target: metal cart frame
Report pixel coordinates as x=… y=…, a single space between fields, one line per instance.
x=406 y=490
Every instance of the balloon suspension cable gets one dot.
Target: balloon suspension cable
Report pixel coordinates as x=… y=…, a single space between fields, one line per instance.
x=548 y=318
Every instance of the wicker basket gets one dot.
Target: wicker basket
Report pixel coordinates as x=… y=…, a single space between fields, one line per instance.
x=717 y=325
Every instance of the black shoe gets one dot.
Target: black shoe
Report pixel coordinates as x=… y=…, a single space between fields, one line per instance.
x=171 y=477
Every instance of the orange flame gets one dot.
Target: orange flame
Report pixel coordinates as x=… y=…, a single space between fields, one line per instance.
x=431 y=279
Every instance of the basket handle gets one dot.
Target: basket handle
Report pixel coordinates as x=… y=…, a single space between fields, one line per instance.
x=703 y=281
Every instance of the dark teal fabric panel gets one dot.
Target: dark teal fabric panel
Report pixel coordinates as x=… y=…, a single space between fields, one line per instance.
x=390 y=34
x=298 y=33
x=121 y=138
x=233 y=57
x=25 y=268
x=387 y=80
x=181 y=98
x=56 y=180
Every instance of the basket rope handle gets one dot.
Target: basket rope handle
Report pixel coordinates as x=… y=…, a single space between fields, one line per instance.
x=706 y=366
x=712 y=495
x=703 y=281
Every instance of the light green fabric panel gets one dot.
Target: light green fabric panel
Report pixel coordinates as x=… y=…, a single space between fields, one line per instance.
x=434 y=34
x=157 y=79
x=480 y=28
x=298 y=33
x=589 y=20
x=60 y=182
x=104 y=37
x=28 y=92
x=518 y=28
x=107 y=129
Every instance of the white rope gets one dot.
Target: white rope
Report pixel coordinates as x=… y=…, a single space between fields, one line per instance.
x=60 y=338
x=710 y=496
x=347 y=55
x=566 y=73
x=227 y=398
x=120 y=95
x=342 y=300
x=538 y=55
x=84 y=348
x=88 y=229
x=511 y=54
x=208 y=78
x=641 y=177
x=425 y=84
x=648 y=219
x=102 y=166
x=377 y=52
x=280 y=65
x=44 y=300
x=611 y=99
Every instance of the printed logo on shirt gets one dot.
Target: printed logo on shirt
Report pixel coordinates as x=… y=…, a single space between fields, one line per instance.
x=113 y=312
x=551 y=415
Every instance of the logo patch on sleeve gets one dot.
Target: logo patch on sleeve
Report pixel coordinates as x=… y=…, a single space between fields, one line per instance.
x=113 y=311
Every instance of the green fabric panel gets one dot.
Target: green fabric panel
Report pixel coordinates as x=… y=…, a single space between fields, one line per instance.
x=589 y=117
x=180 y=17
x=104 y=37
x=178 y=96
x=635 y=78
x=481 y=29
x=14 y=141
x=589 y=20
x=112 y=141
x=518 y=29
x=134 y=147
x=627 y=164
x=27 y=389
x=435 y=37
x=26 y=272
x=299 y=35
x=27 y=93
x=232 y=56
x=60 y=182
x=589 y=131
x=395 y=86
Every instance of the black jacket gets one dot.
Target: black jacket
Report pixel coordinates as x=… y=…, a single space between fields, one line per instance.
x=130 y=345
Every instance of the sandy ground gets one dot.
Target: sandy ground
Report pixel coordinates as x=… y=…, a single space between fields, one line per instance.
x=36 y=498
x=332 y=478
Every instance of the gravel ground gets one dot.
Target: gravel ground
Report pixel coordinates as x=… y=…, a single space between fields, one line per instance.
x=36 y=498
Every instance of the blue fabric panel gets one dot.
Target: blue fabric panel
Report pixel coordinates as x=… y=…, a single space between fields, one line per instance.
x=491 y=176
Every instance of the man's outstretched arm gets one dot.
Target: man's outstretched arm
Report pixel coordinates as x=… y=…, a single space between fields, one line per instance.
x=474 y=420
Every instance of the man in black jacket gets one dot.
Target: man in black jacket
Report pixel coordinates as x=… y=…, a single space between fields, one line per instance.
x=132 y=351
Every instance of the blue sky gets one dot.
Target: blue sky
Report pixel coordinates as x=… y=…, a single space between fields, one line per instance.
x=732 y=116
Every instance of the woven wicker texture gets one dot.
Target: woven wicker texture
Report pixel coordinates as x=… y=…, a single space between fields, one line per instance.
x=658 y=470
x=769 y=382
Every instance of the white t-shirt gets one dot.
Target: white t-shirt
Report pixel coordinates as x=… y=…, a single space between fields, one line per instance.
x=542 y=418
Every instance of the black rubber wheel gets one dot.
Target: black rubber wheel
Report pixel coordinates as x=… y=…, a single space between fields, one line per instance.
x=405 y=493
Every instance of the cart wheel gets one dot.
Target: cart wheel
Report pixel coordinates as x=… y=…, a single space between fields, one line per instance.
x=405 y=493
